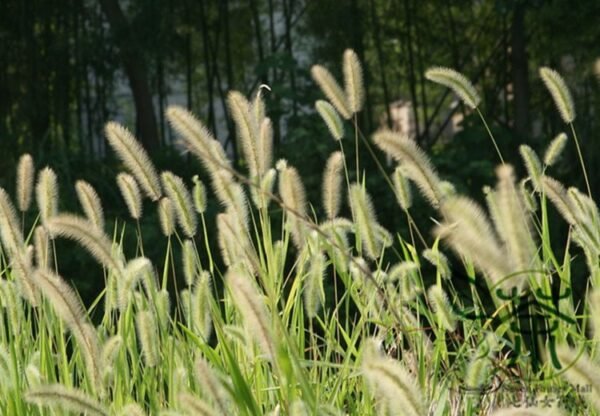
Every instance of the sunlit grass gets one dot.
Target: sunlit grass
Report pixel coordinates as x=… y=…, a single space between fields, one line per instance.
x=309 y=315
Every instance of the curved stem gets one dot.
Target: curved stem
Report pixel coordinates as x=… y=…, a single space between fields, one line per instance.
x=585 y=177
x=491 y=135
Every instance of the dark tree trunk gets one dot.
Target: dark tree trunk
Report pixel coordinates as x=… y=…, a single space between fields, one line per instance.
x=136 y=74
x=412 y=80
x=520 y=76
x=380 y=62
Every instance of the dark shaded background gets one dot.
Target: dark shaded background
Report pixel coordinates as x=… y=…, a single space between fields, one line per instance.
x=68 y=66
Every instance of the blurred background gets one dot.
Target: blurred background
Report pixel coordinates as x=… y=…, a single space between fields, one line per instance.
x=68 y=66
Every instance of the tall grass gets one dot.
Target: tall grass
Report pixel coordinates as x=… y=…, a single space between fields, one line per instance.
x=264 y=334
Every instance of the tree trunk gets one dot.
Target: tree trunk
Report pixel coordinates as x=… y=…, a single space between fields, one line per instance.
x=135 y=72
x=520 y=75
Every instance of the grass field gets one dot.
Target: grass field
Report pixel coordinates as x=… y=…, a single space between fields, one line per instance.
x=310 y=315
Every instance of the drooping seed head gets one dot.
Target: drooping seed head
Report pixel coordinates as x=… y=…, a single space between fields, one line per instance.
x=90 y=203
x=457 y=82
x=560 y=93
x=439 y=260
x=57 y=395
x=441 y=306
x=134 y=156
x=555 y=149
x=415 y=163
x=89 y=237
x=332 y=90
x=182 y=202
x=331 y=118
x=131 y=194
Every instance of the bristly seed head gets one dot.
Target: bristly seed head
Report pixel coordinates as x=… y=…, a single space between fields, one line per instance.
x=353 y=80
x=25 y=173
x=560 y=93
x=457 y=82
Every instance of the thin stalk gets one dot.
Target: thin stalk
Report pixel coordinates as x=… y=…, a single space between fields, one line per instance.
x=490 y=134
x=139 y=236
x=356 y=148
x=587 y=182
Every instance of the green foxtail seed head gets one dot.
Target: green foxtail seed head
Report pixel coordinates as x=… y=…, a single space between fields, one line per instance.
x=555 y=149
x=199 y=193
x=69 y=309
x=332 y=184
x=331 y=118
x=314 y=294
x=439 y=260
x=131 y=194
x=80 y=230
x=580 y=370
x=332 y=90
x=190 y=262
x=353 y=81
x=166 y=216
x=441 y=306
x=560 y=93
x=90 y=203
x=182 y=202
x=148 y=337
x=252 y=308
x=394 y=384
x=265 y=147
x=213 y=386
x=415 y=163
x=513 y=224
x=41 y=243
x=135 y=158
x=532 y=163
x=10 y=231
x=57 y=395
x=402 y=188
x=201 y=298
x=457 y=82
x=25 y=173
x=293 y=196
x=47 y=194
x=247 y=128
x=557 y=193
x=469 y=233
x=363 y=214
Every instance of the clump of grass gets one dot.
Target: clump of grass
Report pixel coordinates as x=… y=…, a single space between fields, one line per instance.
x=286 y=312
